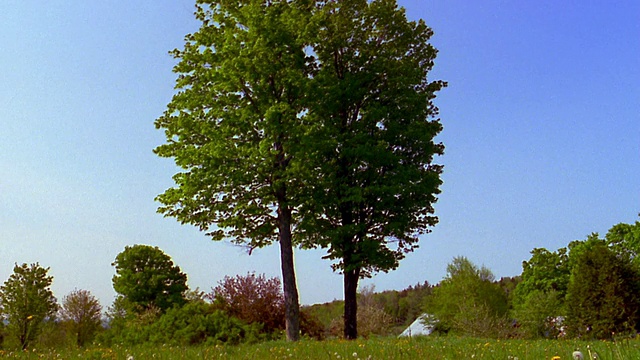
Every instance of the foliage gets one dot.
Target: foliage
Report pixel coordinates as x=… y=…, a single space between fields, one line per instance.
x=311 y=326
x=27 y=301
x=545 y=272
x=433 y=348
x=128 y=328
x=147 y=278
x=372 y=318
x=235 y=119
x=537 y=313
x=603 y=296
x=252 y=299
x=83 y=314
x=403 y=306
x=624 y=239
x=508 y=284
x=400 y=307
x=468 y=301
x=196 y=322
x=540 y=295
x=53 y=335
x=235 y=127
x=328 y=314
x=374 y=146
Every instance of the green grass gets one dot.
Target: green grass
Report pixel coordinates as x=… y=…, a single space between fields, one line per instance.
x=436 y=348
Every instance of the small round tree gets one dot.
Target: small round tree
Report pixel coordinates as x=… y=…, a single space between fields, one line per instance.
x=82 y=312
x=146 y=278
x=27 y=300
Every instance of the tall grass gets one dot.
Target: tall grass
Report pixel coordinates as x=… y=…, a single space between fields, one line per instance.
x=436 y=348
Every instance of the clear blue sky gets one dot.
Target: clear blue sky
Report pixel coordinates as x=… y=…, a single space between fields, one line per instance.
x=541 y=127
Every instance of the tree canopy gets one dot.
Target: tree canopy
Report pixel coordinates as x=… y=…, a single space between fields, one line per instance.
x=83 y=313
x=625 y=240
x=27 y=300
x=539 y=297
x=544 y=272
x=147 y=278
x=307 y=122
x=252 y=299
x=603 y=296
x=236 y=124
x=374 y=143
x=593 y=283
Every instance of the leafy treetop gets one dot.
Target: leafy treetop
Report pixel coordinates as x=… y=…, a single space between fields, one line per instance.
x=27 y=300
x=146 y=278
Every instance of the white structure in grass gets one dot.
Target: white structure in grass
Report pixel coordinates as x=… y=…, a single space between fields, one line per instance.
x=422 y=326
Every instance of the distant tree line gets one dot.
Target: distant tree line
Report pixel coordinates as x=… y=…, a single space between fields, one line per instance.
x=590 y=289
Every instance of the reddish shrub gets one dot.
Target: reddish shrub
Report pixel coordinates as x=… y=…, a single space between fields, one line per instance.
x=252 y=298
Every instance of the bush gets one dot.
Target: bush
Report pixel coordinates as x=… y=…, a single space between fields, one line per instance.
x=469 y=302
x=194 y=323
x=310 y=325
x=252 y=299
x=199 y=322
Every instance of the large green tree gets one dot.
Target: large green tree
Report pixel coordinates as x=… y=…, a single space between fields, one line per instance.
x=27 y=301
x=603 y=295
x=374 y=140
x=236 y=124
x=147 y=278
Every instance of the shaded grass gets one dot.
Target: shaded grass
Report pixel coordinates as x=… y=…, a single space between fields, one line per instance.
x=437 y=348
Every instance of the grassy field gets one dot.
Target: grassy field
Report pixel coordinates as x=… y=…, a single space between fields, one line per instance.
x=379 y=348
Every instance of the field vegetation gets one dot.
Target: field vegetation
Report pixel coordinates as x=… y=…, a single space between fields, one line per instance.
x=437 y=348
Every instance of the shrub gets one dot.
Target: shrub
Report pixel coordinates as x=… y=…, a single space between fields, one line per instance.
x=194 y=323
x=252 y=299
x=468 y=301
x=199 y=322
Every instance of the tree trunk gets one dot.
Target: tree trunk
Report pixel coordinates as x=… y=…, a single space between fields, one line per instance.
x=292 y=307
x=351 y=278
x=23 y=337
